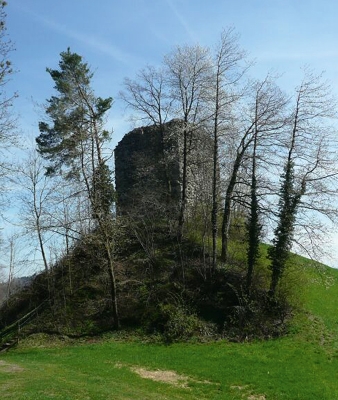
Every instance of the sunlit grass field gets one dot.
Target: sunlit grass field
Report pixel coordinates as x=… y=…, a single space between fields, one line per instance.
x=302 y=365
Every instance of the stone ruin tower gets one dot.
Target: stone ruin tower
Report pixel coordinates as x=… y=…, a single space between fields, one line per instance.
x=149 y=168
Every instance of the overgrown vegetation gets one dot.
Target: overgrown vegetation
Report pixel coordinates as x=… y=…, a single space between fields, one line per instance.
x=174 y=293
x=301 y=365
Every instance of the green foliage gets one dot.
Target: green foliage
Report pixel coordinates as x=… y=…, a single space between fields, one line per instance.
x=254 y=229
x=181 y=323
x=257 y=317
x=102 y=191
x=282 y=242
x=75 y=113
x=170 y=292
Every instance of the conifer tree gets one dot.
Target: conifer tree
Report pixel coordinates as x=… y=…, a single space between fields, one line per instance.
x=72 y=142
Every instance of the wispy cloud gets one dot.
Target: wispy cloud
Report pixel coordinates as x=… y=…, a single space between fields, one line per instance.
x=182 y=20
x=86 y=39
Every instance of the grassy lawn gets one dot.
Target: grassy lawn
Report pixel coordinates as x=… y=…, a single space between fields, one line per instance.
x=281 y=369
x=302 y=365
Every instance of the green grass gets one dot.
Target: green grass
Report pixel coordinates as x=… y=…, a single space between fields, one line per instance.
x=281 y=369
x=302 y=365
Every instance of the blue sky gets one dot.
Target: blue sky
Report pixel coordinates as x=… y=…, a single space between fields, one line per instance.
x=117 y=38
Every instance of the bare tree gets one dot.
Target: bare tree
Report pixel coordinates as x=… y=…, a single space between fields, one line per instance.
x=7 y=120
x=36 y=193
x=12 y=258
x=188 y=74
x=227 y=72
x=148 y=96
x=8 y=127
x=310 y=176
x=177 y=90
x=260 y=121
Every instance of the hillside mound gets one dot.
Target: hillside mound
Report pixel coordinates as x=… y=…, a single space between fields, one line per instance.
x=172 y=292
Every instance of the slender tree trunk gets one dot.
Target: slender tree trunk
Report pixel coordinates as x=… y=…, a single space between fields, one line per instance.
x=42 y=249
x=275 y=278
x=253 y=224
x=215 y=192
x=227 y=207
x=113 y=286
x=183 y=205
x=37 y=213
x=245 y=142
x=289 y=200
x=68 y=262
x=253 y=237
x=168 y=193
x=11 y=269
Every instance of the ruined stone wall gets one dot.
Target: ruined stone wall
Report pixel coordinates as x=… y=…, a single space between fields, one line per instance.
x=149 y=165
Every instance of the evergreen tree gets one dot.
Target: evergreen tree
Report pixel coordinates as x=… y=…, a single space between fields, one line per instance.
x=72 y=143
x=77 y=118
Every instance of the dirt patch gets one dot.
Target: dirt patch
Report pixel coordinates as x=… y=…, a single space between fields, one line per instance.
x=245 y=394
x=171 y=377
x=6 y=367
x=239 y=387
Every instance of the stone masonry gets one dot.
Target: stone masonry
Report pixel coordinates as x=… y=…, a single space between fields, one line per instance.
x=149 y=166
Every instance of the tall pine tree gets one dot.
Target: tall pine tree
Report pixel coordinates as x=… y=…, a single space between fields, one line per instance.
x=72 y=143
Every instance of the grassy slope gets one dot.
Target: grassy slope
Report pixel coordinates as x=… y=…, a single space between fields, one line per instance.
x=303 y=365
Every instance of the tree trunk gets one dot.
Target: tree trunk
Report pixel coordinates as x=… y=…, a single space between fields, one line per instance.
x=254 y=228
x=183 y=205
x=214 y=211
x=113 y=291
x=227 y=207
